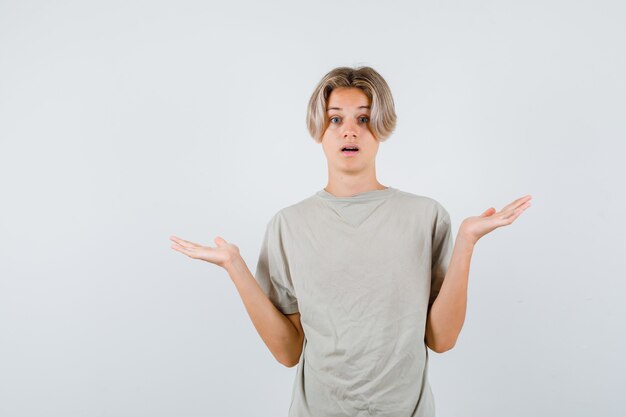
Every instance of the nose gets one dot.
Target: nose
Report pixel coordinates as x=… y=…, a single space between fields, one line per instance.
x=349 y=131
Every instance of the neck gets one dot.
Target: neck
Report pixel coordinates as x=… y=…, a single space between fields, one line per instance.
x=348 y=186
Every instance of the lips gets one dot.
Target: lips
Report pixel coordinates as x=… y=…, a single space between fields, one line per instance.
x=350 y=150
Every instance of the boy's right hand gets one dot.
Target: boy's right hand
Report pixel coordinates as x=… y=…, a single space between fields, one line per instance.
x=222 y=255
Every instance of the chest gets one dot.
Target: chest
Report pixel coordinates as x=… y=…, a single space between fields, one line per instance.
x=383 y=264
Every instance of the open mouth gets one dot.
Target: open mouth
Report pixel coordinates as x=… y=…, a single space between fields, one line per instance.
x=350 y=150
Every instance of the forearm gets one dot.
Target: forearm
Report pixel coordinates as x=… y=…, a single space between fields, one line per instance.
x=277 y=331
x=447 y=314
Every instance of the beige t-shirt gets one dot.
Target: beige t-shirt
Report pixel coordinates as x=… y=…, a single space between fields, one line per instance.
x=362 y=271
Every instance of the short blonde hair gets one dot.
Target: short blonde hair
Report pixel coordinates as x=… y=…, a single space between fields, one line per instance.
x=382 y=114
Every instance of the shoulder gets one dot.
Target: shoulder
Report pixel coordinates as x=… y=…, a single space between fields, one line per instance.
x=425 y=205
x=294 y=212
x=297 y=210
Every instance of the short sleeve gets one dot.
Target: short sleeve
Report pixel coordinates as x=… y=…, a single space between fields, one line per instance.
x=272 y=271
x=442 y=245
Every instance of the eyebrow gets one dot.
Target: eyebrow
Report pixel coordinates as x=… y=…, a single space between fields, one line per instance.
x=339 y=108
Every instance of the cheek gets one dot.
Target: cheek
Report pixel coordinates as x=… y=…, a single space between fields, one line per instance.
x=327 y=135
x=326 y=147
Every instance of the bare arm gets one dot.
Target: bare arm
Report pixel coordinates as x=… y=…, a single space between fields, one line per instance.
x=282 y=333
x=447 y=314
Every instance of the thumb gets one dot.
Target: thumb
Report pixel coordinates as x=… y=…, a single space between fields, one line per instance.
x=219 y=241
x=488 y=212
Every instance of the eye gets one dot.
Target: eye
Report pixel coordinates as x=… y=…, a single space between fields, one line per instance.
x=334 y=117
x=367 y=119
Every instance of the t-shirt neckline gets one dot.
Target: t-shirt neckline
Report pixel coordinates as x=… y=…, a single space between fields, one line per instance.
x=362 y=196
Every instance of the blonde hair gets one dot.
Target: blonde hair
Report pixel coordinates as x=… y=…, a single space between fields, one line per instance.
x=382 y=114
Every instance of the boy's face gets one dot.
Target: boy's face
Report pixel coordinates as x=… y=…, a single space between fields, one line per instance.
x=348 y=115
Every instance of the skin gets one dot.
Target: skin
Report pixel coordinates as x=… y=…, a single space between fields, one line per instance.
x=351 y=175
x=348 y=125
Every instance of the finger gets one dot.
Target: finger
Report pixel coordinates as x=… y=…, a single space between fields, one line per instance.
x=519 y=201
x=516 y=203
x=516 y=213
x=183 y=242
x=182 y=246
x=509 y=209
x=177 y=247
x=186 y=251
x=488 y=212
x=219 y=241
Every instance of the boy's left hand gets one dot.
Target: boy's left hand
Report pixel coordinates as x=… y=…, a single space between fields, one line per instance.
x=475 y=227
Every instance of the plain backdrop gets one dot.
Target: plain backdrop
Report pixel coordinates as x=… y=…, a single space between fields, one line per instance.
x=125 y=122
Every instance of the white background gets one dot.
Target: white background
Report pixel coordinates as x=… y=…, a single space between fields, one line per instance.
x=122 y=123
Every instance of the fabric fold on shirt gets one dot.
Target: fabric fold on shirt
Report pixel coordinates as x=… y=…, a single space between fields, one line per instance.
x=362 y=271
x=355 y=209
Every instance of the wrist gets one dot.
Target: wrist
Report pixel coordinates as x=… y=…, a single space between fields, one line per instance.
x=233 y=263
x=466 y=239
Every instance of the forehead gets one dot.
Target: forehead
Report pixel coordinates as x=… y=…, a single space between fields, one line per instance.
x=347 y=98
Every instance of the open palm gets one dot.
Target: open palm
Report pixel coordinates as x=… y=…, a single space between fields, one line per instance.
x=476 y=227
x=219 y=255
